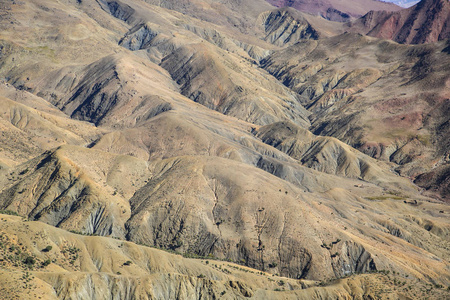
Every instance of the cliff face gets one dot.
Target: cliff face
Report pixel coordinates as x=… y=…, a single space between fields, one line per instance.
x=426 y=22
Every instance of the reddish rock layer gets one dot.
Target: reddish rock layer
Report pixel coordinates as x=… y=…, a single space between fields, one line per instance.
x=336 y=10
x=426 y=22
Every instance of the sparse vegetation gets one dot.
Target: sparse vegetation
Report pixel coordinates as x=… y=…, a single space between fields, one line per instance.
x=46 y=262
x=127 y=263
x=30 y=260
x=9 y=212
x=47 y=249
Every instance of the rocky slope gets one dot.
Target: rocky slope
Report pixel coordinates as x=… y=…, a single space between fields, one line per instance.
x=340 y=11
x=426 y=22
x=240 y=217
x=404 y=3
x=138 y=122
x=322 y=153
x=400 y=122
x=40 y=261
x=286 y=26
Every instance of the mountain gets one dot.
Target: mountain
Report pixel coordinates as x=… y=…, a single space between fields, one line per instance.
x=404 y=3
x=426 y=22
x=340 y=11
x=291 y=159
x=401 y=122
x=41 y=261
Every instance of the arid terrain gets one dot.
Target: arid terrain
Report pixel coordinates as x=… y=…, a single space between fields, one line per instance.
x=425 y=22
x=223 y=150
x=337 y=10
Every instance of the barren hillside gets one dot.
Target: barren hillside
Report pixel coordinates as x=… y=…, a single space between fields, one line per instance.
x=289 y=158
x=340 y=11
x=426 y=22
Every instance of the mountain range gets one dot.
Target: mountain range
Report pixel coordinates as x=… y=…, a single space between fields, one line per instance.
x=336 y=10
x=224 y=149
x=404 y=3
x=425 y=22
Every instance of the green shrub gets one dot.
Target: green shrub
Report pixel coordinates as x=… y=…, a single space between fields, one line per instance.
x=127 y=263
x=46 y=263
x=47 y=249
x=29 y=260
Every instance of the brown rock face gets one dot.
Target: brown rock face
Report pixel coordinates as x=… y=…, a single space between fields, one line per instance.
x=436 y=181
x=334 y=10
x=426 y=22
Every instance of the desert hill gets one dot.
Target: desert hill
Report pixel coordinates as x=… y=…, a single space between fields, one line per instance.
x=46 y=262
x=396 y=123
x=223 y=129
x=426 y=22
x=340 y=11
x=404 y=3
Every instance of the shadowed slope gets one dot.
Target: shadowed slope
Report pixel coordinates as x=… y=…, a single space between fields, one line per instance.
x=56 y=190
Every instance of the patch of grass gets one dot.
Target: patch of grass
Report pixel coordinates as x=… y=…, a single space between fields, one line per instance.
x=9 y=212
x=424 y=139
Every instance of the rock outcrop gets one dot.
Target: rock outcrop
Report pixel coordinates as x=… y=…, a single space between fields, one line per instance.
x=283 y=27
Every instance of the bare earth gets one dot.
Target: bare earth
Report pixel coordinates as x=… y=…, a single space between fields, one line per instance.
x=218 y=149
